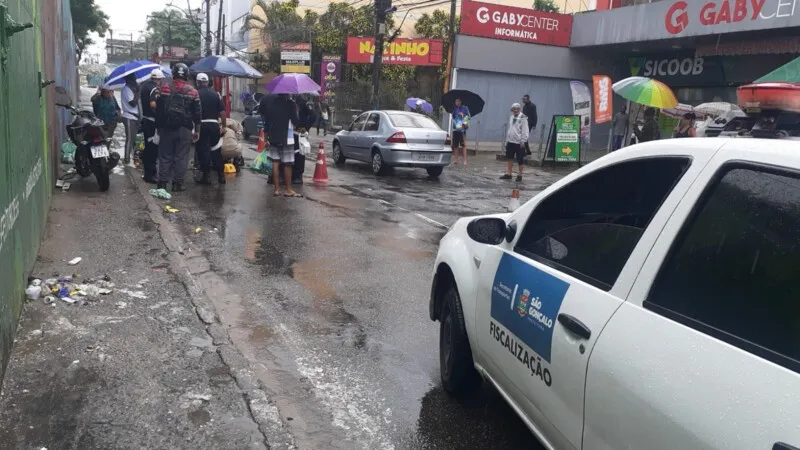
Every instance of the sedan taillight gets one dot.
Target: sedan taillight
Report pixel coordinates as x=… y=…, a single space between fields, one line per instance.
x=397 y=138
x=448 y=141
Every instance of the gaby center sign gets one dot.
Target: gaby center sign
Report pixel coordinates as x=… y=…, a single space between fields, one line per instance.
x=682 y=13
x=515 y=24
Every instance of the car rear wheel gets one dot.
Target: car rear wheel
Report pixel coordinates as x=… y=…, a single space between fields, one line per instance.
x=378 y=166
x=434 y=172
x=338 y=156
x=455 y=356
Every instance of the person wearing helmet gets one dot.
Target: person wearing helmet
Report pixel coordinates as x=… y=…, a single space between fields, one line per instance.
x=210 y=131
x=149 y=95
x=179 y=117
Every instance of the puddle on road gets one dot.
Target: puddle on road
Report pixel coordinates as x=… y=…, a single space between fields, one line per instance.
x=402 y=246
x=312 y=274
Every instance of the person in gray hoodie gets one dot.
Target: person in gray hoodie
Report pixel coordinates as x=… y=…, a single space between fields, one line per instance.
x=516 y=137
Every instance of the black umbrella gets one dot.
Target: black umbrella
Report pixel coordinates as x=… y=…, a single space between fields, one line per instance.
x=472 y=100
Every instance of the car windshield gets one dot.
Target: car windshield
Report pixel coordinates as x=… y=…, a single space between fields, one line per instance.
x=412 y=121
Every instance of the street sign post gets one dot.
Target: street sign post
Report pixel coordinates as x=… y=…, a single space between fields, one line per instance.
x=564 y=141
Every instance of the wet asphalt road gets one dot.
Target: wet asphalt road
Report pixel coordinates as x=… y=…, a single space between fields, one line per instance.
x=336 y=288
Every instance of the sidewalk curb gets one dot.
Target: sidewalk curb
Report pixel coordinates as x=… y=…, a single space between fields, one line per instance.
x=193 y=271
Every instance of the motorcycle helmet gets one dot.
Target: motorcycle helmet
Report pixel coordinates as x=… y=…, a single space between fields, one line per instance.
x=180 y=72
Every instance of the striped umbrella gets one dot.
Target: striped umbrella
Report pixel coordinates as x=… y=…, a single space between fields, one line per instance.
x=646 y=91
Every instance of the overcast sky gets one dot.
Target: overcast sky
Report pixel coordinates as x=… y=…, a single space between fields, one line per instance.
x=130 y=16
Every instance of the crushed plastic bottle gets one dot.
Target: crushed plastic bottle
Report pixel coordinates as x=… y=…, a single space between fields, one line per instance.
x=33 y=292
x=74 y=261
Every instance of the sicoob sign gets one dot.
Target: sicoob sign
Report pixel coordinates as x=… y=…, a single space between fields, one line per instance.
x=515 y=24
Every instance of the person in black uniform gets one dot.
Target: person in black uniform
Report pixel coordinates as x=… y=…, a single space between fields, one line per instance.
x=307 y=120
x=149 y=94
x=210 y=131
x=529 y=109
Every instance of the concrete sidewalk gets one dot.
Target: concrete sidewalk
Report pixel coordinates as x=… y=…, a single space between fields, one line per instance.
x=137 y=368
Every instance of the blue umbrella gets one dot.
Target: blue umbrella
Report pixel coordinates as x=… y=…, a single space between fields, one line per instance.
x=140 y=68
x=413 y=102
x=224 y=66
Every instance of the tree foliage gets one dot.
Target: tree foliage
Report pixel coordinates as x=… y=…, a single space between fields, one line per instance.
x=436 y=25
x=87 y=17
x=171 y=27
x=545 y=5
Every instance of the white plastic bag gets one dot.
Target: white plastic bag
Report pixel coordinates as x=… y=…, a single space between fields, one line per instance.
x=305 y=146
x=155 y=139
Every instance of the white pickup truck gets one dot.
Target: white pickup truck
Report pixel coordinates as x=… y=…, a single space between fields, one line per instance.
x=650 y=300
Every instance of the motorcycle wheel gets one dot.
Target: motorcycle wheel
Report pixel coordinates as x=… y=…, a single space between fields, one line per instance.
x=102 y=174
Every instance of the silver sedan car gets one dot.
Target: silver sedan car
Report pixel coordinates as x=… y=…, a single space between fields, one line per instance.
x=394 y=139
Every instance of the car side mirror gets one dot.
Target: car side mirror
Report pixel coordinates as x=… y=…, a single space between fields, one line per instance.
x=489 y=230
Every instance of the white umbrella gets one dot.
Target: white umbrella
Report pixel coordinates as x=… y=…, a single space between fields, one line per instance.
x=678 y=111
x=716 y=108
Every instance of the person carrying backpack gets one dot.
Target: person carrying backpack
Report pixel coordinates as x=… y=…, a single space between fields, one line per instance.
x=179 y=117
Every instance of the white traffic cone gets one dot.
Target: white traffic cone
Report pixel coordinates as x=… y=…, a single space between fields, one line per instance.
x=514 y=203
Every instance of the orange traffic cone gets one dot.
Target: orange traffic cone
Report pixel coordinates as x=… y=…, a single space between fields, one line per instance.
x=514 y=203
x=321 y=169
x=262 y=144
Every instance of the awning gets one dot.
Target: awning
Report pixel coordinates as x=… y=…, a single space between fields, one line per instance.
x=789 y=72
x=768 y=46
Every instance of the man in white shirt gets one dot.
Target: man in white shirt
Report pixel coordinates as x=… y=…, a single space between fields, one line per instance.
x=131 y=114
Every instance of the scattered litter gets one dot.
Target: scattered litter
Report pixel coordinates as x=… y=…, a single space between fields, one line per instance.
x=62 y=292
x=170 y=209
x=36 y=333
x=50 y=282
x=104 y=291
x=134 y=294
x=65 y=187
x=197 y=230
x=49 y=300
x=215 y=230
x=121 y=305
x=77 y=361
x=36 y=282
x=88 y=290
x=161 y=193
x=33 y=292
x=196 y=396
x=74 y=261
x=67 y=279
x=118 y=170
x=59 y=183
x=68 y=300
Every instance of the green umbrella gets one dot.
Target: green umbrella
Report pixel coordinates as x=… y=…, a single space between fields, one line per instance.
x=789 y=72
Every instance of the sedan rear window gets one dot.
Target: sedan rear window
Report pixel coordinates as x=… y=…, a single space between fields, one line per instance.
x=412 y=121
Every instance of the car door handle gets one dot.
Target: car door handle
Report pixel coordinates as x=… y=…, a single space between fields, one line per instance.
x=782 y=446
x=575 y=326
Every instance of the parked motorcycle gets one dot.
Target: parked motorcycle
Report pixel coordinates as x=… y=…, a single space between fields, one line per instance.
x=92 y=155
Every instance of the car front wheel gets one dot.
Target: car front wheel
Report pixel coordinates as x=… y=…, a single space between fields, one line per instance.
x=455 y=355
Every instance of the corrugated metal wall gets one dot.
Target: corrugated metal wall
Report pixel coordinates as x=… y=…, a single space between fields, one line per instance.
x=30 y=136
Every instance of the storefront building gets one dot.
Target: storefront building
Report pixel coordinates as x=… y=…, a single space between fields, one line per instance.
x=702 y=49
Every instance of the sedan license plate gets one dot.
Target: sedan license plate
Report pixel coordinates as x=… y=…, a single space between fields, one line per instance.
x=100 y=151
x=426 y=157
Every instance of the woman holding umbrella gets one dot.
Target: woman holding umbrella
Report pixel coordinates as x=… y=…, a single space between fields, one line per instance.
x=461 y=105
x=461 y=118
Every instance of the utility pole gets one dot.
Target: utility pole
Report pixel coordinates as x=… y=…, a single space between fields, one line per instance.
x=208 y=27
x=169 y=34
x=452 y=22
x=111 y=39
x=222 y=38
x=381 y=9
x=219 y=27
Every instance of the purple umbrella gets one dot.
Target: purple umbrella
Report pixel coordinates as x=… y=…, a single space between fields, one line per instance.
x=413 y=102
x=293 y=83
